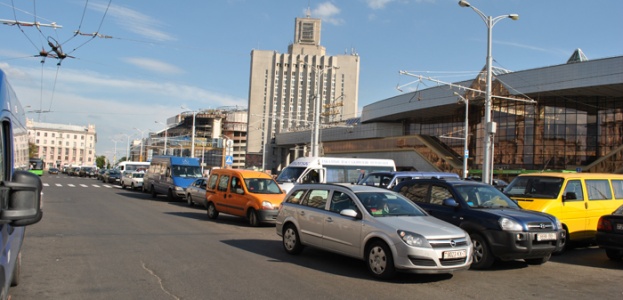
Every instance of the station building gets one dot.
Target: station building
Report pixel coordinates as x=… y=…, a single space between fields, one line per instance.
x=575 y=123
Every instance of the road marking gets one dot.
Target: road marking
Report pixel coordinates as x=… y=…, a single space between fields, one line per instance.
x=71 y=185
x=45 y=184
x=58 y=184
x=83 y=185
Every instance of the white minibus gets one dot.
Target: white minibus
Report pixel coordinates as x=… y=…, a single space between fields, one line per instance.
x=330 y=170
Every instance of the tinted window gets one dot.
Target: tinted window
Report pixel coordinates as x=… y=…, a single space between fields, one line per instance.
x=438 y=194
x=341 y=201
x=416 y=192
x=598 y=189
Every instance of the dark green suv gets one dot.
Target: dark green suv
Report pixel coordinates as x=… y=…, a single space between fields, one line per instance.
x=498 y=227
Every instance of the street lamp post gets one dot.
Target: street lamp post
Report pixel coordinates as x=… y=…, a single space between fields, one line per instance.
x=466 y=138
x=487 y=163
x=140 y=155
x=127 y=155
x=166 y=129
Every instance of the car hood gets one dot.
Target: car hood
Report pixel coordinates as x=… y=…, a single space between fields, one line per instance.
x=520 y=214
x=427 y=226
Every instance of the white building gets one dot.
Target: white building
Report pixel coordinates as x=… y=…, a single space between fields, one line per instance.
x=60 y=144
x=284 y=90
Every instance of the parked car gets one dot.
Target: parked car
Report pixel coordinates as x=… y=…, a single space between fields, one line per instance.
x=112 y=176
x=389 y=180
x=196 y=192
x=610 y=234
x=381 y=227
x=100 y=174
x=87 y=172
x=52 y=171
x=498 y=227
x=132 y=179
x=75 y=171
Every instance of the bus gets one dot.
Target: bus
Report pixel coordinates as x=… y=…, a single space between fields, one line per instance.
x=133 y=166
x=331 y=170
x=36 y=166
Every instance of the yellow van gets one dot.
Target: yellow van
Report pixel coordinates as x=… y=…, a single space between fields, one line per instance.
x=576 y=199
x=244 y=193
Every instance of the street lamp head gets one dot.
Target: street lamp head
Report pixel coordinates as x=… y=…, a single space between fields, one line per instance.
x=464 y=3
x=514 y=17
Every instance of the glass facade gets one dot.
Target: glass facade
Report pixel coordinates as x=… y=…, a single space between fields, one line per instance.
x=557 y=133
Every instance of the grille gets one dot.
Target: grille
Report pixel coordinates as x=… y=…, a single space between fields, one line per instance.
x=453 y=262
x=540 y=226
x=447 y=243
x=422 y=262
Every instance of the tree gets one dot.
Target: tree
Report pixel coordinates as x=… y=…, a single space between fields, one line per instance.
x=100 y=161
x=33 y=150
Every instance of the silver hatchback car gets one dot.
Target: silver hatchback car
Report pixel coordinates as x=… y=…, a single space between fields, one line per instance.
x=386 y=230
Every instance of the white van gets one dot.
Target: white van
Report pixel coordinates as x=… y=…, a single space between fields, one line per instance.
x=330 y=170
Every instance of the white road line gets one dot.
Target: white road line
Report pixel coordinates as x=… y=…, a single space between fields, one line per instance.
x=71 y=185
x=95 y=185
x=45 y=184
x=83 y=185
x=58 y=184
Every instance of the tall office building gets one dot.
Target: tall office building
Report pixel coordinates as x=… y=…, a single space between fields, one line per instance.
x=283 y=89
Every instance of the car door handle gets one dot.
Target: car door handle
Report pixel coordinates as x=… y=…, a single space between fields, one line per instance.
x=302 y=212
x=329 y=220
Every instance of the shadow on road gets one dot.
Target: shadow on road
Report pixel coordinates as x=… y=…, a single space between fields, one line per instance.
x=325 y=261
x=589 y=257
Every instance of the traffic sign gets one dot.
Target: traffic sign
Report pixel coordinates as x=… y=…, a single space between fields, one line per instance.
x=229 y=159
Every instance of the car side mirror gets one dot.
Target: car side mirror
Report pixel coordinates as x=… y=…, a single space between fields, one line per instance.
x=24 y=199
x=239 y=191
x=350 y=213
x=569 y=196
x=450 y=202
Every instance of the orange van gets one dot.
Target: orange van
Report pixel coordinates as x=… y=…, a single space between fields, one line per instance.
x=250 y=194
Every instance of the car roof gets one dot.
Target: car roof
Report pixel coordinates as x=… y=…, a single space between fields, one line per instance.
x=353 y=187
x=451 y=182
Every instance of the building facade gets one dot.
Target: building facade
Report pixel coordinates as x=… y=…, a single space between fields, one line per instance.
x=575 y=123
x=62 y=145
x=218 y=133
x=287 y=89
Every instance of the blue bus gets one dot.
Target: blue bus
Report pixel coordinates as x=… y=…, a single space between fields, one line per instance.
x=171 y=175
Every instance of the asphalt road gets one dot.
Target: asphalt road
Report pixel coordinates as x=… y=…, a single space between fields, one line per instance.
x=99 y=241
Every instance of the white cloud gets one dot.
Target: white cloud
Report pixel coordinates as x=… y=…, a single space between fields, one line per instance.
x=327 y=12
x=134 y=21
x=153 y=65
x=378 y=4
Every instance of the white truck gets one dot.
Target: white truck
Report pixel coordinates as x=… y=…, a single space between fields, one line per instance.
x=330 y=170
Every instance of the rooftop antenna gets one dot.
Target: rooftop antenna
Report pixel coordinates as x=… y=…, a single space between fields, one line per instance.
x=308 y=12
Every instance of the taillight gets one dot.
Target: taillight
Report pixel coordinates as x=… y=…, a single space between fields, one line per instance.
x=604 y=225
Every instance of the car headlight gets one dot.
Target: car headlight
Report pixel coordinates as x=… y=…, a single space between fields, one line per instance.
x=510 y=225
x=558 y=224
x=179 y=188
x=267 y=205
x=413 y=239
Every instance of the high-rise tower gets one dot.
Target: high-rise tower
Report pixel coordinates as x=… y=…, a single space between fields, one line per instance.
x=283 y=89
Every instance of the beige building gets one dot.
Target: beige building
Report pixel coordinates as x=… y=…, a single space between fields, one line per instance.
x=283 y=89
x=62 y=145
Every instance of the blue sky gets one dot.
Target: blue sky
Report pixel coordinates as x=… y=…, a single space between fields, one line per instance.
x=167 y=54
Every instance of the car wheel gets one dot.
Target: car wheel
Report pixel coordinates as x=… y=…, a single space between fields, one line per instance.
x=538 y=261
x=132 y=187
x=380 y=261
x=153 y=192
x=614 y=254
x=123 y=185
x=291 y=241
x=189 y=199
x=483 y=258
x=254 y=220
x=212 y=212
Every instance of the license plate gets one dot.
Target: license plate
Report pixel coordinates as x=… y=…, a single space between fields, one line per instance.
x=454 y=254
x=620 y=226
x=550 y=236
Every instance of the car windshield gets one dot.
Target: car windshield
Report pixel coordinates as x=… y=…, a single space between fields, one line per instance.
x=485 y=196
x=138 y=175
x=388 y=204
x=290 y=174
x=262 y=186
x=186 y=171
x=534 y=187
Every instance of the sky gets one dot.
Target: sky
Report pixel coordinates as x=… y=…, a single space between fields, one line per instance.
x=136 y=63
